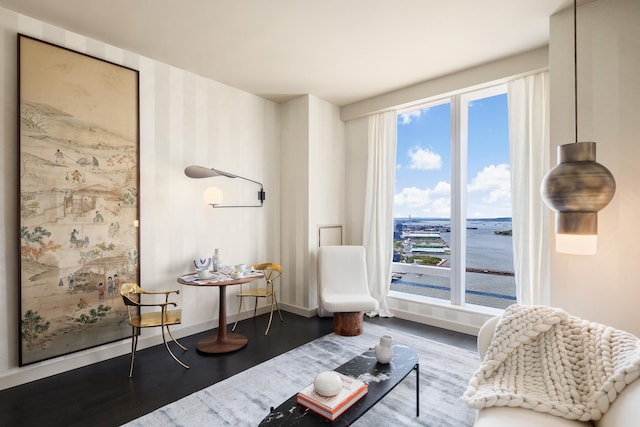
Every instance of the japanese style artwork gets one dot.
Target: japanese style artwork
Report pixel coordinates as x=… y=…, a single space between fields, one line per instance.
x=78 y=199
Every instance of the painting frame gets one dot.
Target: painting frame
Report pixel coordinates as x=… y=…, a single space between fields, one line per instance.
x=330 y=235
x=79 y=178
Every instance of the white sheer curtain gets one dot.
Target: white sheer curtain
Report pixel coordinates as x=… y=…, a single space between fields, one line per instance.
x=378 y=208
x=529 y=147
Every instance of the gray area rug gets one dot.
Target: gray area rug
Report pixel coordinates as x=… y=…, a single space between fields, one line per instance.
x=245 y=399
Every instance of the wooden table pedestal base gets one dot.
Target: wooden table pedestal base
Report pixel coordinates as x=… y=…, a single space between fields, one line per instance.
x=231 y=343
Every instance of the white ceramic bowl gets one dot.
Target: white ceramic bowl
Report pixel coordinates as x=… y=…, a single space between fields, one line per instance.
x=327 y=384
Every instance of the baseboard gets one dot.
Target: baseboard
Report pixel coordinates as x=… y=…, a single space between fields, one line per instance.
x=300 y=311
x=438 y=322
x=22 y=375
x=467 y=319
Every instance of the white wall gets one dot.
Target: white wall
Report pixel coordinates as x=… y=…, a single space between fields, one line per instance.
x=294 y=219
x=356 y=173
x=313 y=191
x=326 y=178
x=184 y=119
x=498 y=71
x=605 y=287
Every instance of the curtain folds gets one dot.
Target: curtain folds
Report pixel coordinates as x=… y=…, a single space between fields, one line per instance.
x=378 y=209
x=529 y=150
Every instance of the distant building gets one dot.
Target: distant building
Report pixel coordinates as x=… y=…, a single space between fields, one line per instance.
x=421 y=235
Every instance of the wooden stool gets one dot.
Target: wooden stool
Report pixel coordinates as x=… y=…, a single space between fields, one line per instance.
x=348 y=324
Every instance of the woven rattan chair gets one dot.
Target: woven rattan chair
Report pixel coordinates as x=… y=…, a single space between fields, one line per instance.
x=162 y=317
x=271 y=273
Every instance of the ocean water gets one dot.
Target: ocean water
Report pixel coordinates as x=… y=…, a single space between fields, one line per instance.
x=486 y=250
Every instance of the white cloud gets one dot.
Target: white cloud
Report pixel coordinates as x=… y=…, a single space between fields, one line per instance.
x=406 y=118
x=492 y=178
x=499 y=195
x=412 y=196
x=424 y=159
x=489 y=211
x=489 y=196
x=440 y=207
x=442 y=188
x=428 y=202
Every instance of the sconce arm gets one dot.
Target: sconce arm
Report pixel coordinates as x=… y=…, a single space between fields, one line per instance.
x=203 y=172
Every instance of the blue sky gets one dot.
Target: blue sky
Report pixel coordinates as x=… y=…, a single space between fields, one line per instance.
x=423 y=163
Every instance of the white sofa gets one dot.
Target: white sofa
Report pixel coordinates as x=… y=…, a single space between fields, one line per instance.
x=624 y=411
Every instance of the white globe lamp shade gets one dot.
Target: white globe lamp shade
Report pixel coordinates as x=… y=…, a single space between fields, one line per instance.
x=213 y=196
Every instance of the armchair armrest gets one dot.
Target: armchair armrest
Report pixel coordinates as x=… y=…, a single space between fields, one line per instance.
x=165 y=293
x=486 y=334
x=158 y=304
x=176 y=291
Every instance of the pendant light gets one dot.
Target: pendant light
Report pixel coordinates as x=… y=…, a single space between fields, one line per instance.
x=578 y=186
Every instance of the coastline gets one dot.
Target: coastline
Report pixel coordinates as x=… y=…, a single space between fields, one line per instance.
x=489 y=278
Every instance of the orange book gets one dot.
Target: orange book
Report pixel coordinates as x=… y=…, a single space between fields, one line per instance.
x=332 y=407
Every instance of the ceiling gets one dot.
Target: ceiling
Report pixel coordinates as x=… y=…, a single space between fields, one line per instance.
x=341 y=51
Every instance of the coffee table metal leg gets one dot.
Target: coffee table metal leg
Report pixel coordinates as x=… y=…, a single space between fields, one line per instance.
x=417 y=368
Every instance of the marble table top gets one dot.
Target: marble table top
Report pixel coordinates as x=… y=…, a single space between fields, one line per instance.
x=382 y=378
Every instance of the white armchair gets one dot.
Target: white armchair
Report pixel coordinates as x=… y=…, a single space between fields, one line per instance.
x=343 y=287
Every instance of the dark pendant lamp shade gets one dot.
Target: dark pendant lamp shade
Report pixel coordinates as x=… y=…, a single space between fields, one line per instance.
x=577 y=188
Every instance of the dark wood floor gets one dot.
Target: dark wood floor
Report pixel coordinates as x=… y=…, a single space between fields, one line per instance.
x=102 y=394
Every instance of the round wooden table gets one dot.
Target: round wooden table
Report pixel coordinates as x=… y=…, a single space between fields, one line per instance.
x=224 y=342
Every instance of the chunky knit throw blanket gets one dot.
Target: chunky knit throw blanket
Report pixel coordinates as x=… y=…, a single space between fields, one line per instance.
x=542 y=358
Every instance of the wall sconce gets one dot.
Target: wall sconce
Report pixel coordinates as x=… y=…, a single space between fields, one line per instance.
x=213 y=195
x=578 y=186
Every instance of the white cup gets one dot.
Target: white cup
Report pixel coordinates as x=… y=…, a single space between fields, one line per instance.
x=241 y=268
x=203 y=273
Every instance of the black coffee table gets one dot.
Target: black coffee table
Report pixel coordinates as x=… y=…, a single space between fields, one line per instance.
x=404 y=361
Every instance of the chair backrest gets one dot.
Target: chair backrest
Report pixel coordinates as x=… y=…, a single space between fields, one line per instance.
x=126 y=291
x=130 y=293
x=270 y=270
x=342 y=268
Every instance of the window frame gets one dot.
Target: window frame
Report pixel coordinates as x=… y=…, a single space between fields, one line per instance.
x=459 y=136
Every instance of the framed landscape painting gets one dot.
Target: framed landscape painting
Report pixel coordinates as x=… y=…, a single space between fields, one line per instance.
x=79 y=139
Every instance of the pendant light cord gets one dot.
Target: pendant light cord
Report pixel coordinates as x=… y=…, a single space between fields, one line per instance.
x=575 y=66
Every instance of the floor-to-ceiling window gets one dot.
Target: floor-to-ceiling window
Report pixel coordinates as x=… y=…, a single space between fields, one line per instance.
x=452 y=202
